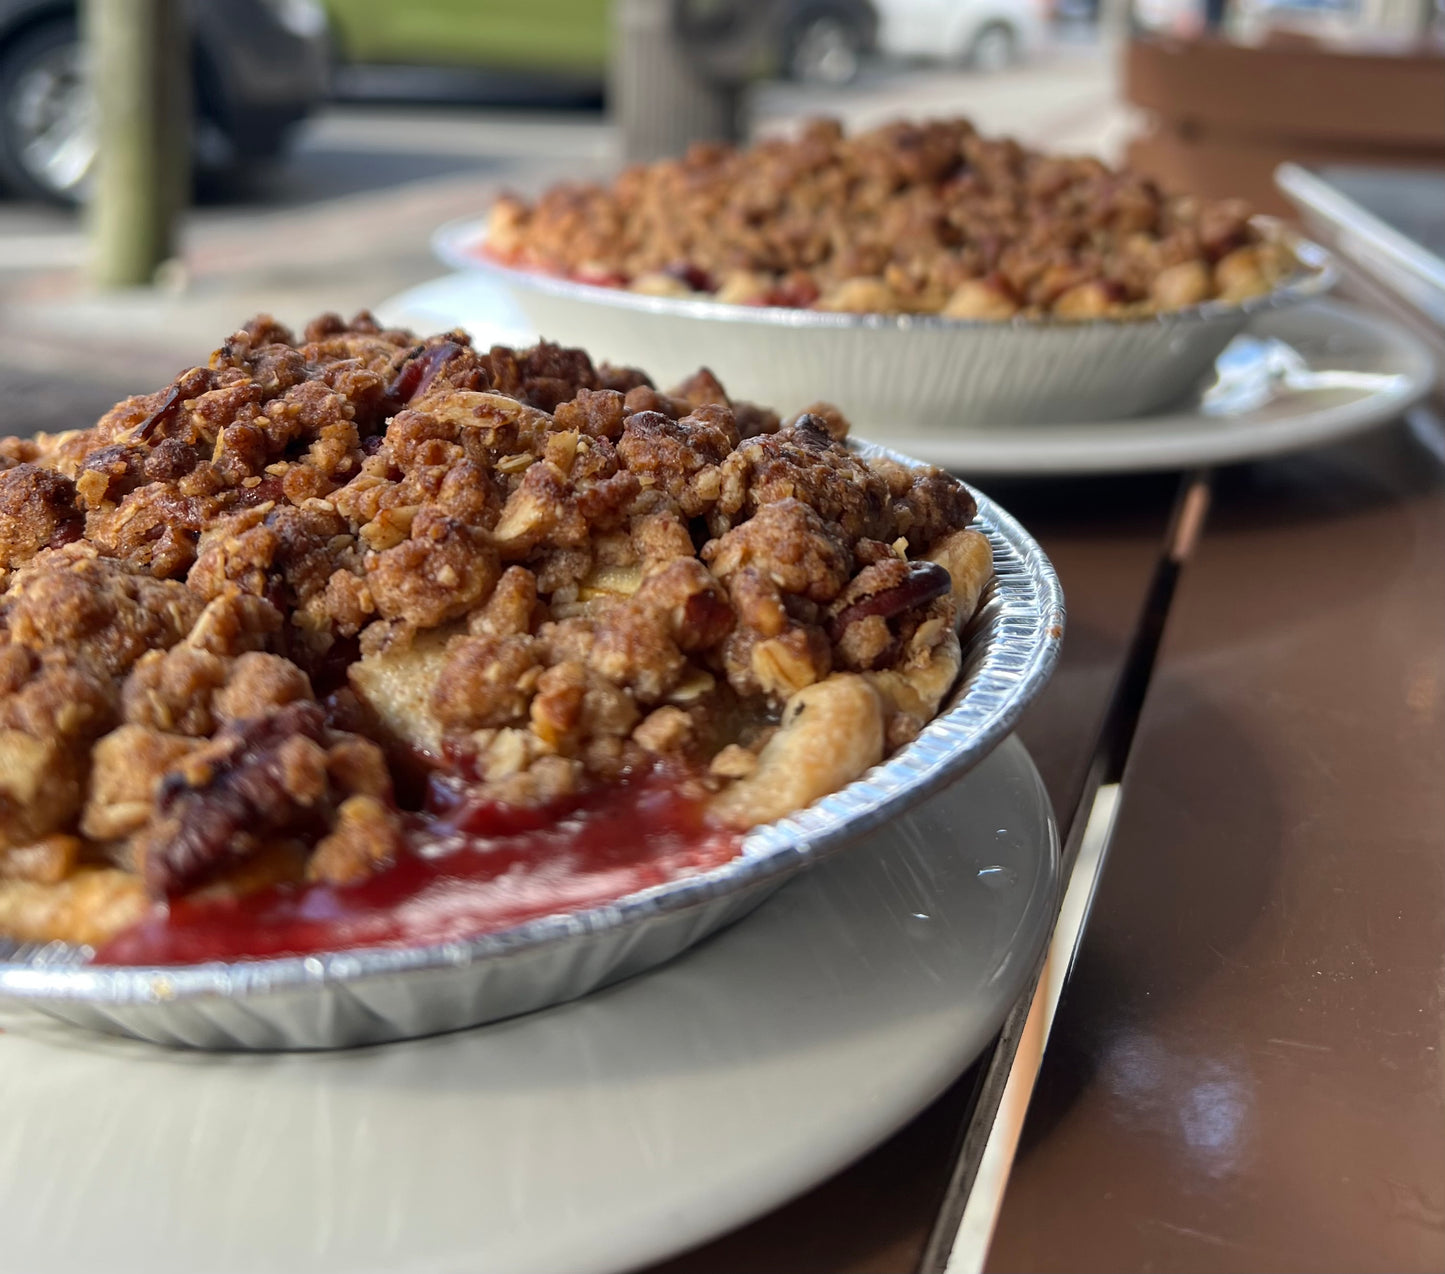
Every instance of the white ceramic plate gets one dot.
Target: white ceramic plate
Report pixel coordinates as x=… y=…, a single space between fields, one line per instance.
x=590 y=1137
x=1296 y=378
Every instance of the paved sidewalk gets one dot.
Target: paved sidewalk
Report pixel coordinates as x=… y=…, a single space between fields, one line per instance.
x=343 y=256
x=279 y=248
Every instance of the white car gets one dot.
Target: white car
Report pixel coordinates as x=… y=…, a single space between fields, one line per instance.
x=985 y=34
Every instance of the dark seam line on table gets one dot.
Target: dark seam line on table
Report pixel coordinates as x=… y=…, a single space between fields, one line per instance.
x=1111 y=755
x=1116 y=738
x=1427 y=428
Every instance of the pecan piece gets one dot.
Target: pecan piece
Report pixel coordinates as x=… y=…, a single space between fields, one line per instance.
x=922 y=583
x=253 y=780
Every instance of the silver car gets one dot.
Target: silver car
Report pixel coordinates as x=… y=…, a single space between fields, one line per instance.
x=259 y=66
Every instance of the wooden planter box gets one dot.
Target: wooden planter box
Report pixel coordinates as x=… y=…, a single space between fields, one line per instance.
x=1224 y=115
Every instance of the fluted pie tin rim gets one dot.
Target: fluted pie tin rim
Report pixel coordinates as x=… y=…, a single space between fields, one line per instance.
x=455 y=244
x=1010 y=649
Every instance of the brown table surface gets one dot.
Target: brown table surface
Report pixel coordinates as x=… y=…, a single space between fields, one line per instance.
x=1245 y=1071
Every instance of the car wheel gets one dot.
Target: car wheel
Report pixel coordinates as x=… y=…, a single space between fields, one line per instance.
x=995 y=48
x=824 y=49
x=47 y=124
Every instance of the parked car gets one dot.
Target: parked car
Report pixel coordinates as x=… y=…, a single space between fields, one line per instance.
x=569 y=40
x=259 y=67
x=987 y=35
x=813 y=41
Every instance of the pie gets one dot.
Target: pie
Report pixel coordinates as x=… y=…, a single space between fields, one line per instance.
x=360 y=638
x=910 y=218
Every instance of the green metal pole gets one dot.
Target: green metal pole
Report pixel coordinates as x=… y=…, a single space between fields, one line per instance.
x=139 y=67
x=658 y=98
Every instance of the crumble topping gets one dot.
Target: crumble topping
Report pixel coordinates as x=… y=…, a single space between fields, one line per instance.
x=926 y=218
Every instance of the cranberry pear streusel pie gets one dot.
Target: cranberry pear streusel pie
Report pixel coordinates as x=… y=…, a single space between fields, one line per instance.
x=360 y=639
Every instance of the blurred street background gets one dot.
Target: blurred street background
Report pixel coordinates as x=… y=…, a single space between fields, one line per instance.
x=328 y=139
x=340 y=218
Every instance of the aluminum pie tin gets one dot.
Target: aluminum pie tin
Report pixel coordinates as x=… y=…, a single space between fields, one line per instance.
x=938 y=374
x=360 y=997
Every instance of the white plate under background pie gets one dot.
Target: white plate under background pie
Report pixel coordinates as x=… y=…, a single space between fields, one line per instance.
x=1296 y=378
x=595 y=1136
